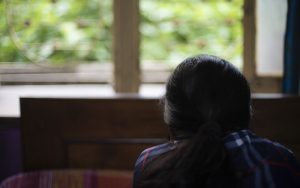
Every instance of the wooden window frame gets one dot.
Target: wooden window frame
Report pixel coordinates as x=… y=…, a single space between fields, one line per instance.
x=126 y=75
x=126 y=46
x=258 y=83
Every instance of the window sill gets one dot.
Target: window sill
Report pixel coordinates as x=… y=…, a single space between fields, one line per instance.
x=90 y=73
x=10 y=95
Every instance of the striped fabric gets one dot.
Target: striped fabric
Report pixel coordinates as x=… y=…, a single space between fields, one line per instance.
x=70 y=179
x=259 y=162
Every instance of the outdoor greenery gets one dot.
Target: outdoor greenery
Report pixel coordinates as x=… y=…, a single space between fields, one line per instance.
x=66 y=31
x=173 y=30
x=56 y=31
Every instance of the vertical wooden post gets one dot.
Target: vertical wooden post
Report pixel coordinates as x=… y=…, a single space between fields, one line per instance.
x=249 y=25
x=126 y=46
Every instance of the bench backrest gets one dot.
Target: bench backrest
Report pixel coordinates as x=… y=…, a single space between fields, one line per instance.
x=109 y=133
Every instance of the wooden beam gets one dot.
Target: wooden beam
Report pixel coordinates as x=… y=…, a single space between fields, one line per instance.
x=249 y=25
x=126 y=46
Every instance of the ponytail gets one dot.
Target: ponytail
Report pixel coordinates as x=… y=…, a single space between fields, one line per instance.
x=204 y=153
x=196 y=162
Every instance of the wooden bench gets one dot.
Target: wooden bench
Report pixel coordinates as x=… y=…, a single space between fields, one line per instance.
x=109 y=133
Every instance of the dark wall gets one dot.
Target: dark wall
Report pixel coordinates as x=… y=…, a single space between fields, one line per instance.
x=10 y=147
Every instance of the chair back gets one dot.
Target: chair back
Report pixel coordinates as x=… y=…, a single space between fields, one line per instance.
x=70 y=178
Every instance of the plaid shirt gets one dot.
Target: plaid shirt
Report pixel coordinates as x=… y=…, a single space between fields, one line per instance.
x=265 y=164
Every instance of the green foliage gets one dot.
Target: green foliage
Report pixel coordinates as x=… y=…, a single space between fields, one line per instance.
x=64 y=31
x=55 y=31
x=173 y=30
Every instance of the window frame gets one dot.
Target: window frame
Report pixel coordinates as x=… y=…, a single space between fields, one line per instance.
x=126 y=60
x=258 y=83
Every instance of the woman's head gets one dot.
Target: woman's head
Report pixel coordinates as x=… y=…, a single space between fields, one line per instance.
x=206 y=97
x=206 y=89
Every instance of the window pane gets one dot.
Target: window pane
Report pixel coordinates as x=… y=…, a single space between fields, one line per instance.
x=173 y=30
x=271 y=20
x=55 y=31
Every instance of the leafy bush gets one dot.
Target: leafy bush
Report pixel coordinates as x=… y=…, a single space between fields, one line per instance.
x=173 y=30
x=65 y=31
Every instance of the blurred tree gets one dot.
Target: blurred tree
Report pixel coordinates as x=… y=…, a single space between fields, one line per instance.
x=65 y=31
x=55 y=31
x=172 y=30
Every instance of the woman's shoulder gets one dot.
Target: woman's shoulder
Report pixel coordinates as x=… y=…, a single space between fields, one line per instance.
x=248 y=139
x=262 y=159
x=147 y=155
x=251 y=146
x=152 y=152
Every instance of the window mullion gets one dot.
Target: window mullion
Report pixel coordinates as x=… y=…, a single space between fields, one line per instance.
x=126 y=46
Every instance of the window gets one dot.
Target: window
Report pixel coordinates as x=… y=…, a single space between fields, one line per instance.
x=264 y=27
x=179 y=29
x=57 y=31
x=55 y=41
x=89 y=34
x=271 y=20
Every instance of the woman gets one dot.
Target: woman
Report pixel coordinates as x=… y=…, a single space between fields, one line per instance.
x=207 y=107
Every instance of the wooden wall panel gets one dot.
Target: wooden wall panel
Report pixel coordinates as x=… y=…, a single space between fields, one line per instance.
x=51 y=126
x=110 y=133
x=104 y=156
x=278 y=119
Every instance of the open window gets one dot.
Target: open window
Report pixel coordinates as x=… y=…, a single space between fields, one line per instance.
x=68 y=41
x=264 y=31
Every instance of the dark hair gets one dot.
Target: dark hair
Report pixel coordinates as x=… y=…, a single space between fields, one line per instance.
x=206 y=98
